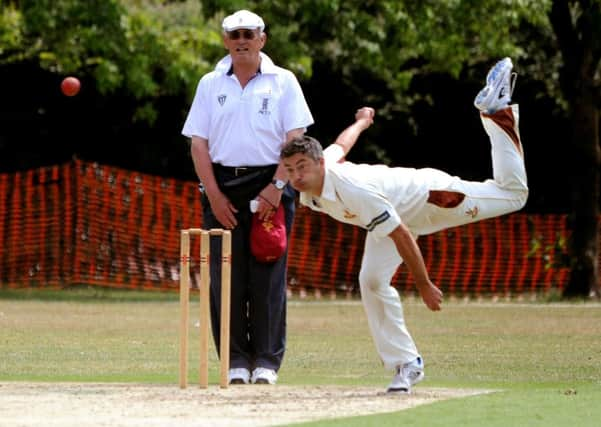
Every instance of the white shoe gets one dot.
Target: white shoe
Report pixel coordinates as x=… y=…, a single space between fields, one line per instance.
x=406 y=376
x=500 y=82
x=239 y=376
x=264 y=376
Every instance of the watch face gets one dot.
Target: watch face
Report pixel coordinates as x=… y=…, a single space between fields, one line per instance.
x=279 y=184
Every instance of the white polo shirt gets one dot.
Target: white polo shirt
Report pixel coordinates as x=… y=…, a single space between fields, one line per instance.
x=374 y=197
x=247 y=127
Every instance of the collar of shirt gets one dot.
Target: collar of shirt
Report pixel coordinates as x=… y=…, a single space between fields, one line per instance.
x=267 y=66
x=328 y=192
x=332 y=156
x=231 y=70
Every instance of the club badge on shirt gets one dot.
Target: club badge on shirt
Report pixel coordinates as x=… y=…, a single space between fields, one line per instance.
x=265 y=107
x=221 y=99
x=349 y=215
x=472 y=212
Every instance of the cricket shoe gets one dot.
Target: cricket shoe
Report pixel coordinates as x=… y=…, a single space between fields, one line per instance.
x=500 y=82
x=264 y=376
x=406 y=376
x=238 y=376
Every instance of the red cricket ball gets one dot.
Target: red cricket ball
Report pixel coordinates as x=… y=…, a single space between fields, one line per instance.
x=70 y=86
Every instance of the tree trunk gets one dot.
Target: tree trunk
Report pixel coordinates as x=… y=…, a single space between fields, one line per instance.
x=583 y=222
x=577 y=25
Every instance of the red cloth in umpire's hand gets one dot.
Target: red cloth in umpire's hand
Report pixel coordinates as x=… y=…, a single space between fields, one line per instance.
x=268 y=237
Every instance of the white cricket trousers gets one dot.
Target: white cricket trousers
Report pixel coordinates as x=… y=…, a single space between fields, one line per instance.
x=505 y=193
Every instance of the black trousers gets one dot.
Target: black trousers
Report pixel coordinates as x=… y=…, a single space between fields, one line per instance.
x=258 y=297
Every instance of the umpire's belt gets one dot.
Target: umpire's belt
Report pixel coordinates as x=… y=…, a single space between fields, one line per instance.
x=240 y=170
x=242 y=183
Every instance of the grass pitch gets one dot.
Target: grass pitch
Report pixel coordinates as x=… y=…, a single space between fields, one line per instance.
x=544 y=359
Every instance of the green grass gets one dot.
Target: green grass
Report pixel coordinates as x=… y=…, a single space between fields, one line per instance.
x=544 y=360
x=523 y=407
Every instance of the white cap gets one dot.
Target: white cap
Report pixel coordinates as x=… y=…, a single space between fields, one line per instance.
x=243 y=19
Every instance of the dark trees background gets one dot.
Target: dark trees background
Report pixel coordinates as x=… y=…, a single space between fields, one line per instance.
x=577 y=25
x=420 y=64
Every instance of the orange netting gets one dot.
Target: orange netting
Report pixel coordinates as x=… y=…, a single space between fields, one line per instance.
x=84 y=223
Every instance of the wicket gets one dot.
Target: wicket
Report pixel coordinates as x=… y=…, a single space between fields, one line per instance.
x=204 y=290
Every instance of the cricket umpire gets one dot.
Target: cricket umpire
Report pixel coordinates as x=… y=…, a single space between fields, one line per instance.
x=243 y=112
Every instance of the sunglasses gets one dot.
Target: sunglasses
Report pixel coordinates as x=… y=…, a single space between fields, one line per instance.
x=246 y=34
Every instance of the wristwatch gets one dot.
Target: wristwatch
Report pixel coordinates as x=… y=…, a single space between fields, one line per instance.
x=279 y=184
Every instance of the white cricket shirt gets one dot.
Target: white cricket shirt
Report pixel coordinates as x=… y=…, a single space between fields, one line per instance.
x=374 y=197
x=247 y=127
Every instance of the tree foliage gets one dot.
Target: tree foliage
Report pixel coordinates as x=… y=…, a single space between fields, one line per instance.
x=153 y=48
x=147 y=49
x=394 y=40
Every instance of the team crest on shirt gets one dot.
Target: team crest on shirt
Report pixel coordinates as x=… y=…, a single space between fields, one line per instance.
x=221 y=99
x=349 y=215
x=472 y=212
x=265 y=107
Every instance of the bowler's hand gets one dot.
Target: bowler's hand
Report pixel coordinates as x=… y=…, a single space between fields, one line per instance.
x=223 y=210
x=366 y=114
x=431 y=295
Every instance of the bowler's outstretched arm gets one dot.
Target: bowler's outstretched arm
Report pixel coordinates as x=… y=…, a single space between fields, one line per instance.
x=412 y=256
